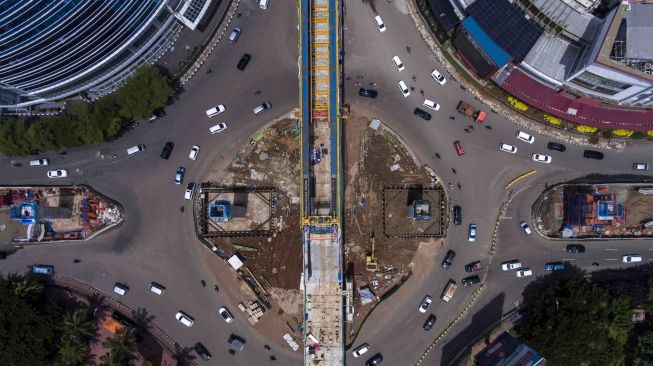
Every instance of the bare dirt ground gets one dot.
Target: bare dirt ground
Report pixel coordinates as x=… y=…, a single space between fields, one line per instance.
x=271 y=159
x=369 y=159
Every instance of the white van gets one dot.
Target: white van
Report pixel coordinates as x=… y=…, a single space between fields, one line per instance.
x=157 y=288
x=39 y=162
x=134 y=149
x=262 y=108
x=120 y=289
x=184 y=318
x=263 y=4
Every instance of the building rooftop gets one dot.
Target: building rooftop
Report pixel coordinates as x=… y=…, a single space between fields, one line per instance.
x=507 y=25
x=575 y=21
x=639 y=31
x=552 y=57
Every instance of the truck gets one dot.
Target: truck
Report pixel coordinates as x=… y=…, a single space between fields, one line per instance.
x=449 y=291
x=469 y=110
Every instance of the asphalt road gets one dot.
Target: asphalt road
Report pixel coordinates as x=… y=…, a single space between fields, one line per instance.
x=482 y=172
x=157 y=241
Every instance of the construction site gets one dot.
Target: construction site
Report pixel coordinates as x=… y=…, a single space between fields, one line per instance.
x=581 y=211
x=392 y=206
x=249 y=214
x=30 y=215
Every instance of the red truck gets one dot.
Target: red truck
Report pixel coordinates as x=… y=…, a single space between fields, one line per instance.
x=470 y=111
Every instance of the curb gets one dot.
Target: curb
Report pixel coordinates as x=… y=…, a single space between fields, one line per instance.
x=460 y=316
x=195 y=66
x=502 y=211
x=497 y=107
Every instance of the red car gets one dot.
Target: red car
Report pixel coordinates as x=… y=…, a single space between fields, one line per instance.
x=459 y=148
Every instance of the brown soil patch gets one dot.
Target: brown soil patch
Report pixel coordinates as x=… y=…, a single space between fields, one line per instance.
x=369 y=157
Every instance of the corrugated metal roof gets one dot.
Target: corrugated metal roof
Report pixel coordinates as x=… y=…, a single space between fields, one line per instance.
x=552 y=56
x=639 y=31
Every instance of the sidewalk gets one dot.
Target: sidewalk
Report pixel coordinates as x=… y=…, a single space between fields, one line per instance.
x=190 y=44
x=495 y=105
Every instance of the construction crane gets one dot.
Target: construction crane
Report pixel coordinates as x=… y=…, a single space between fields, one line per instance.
x=371 y=263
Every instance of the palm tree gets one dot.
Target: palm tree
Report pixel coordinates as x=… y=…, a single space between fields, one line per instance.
x=122 y=346
x=73 y=354
x=27 y=288
x=79 y=325
x=184 y=356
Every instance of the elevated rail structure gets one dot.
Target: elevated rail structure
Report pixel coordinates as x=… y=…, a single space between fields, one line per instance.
x=320 y=99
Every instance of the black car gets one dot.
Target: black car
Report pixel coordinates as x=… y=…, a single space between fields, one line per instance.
x=236 y=342
x=448 y=259
x=422 y=114
x=457 y=215
x=429 y=323
x=242 y=64
x=375 y=360
x=202 y=351
x=575 y=248
x=167 y=150
x=556 y=146
x=591 y=154
x=370 y=93
x=471 y=280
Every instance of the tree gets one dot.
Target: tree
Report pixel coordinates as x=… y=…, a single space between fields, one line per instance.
x=122 y=347
x=574 y=322
x=28 y=324
x=146 y=90
x=644 y=355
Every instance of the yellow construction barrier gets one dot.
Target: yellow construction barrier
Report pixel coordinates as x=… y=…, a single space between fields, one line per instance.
x=520 y=177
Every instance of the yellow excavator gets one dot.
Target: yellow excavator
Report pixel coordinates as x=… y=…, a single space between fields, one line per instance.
x=371 y=263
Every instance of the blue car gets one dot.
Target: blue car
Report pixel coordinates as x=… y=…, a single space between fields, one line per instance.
x=179 y=177
x=43 y=269
x=554 y=266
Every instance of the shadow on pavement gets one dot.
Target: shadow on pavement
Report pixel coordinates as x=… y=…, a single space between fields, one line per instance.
x=482 y=321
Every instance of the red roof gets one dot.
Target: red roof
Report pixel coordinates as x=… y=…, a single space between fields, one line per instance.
x=587 y=111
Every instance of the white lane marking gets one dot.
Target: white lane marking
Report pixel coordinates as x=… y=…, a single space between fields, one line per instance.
x=611 y=259
x=610 y=249
x=568 y=259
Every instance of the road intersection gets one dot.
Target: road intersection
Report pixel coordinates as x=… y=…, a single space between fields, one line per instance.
x=157 y=242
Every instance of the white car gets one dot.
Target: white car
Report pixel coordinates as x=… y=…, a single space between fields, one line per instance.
x=631 y=258
x=226 y=314
x=398 y=63
x=59 y=173
x=524 y=272
x=541 y=158
x=636 y=166
x=524 y=226
x=189 y=191
x=435 y=74
x=194 y=151
x=218 y=128
x=184 y=319
x=362 y=349
x=431 y=104
x=508 y=148
x=524 y=137
x=404 y=89
x=426 y=303
x=215 y=111
x=379 y=23
x=39 y=162
x=510 y=265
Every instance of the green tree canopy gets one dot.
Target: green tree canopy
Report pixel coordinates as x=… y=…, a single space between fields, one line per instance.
x=574 y=322
x=88 y=123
